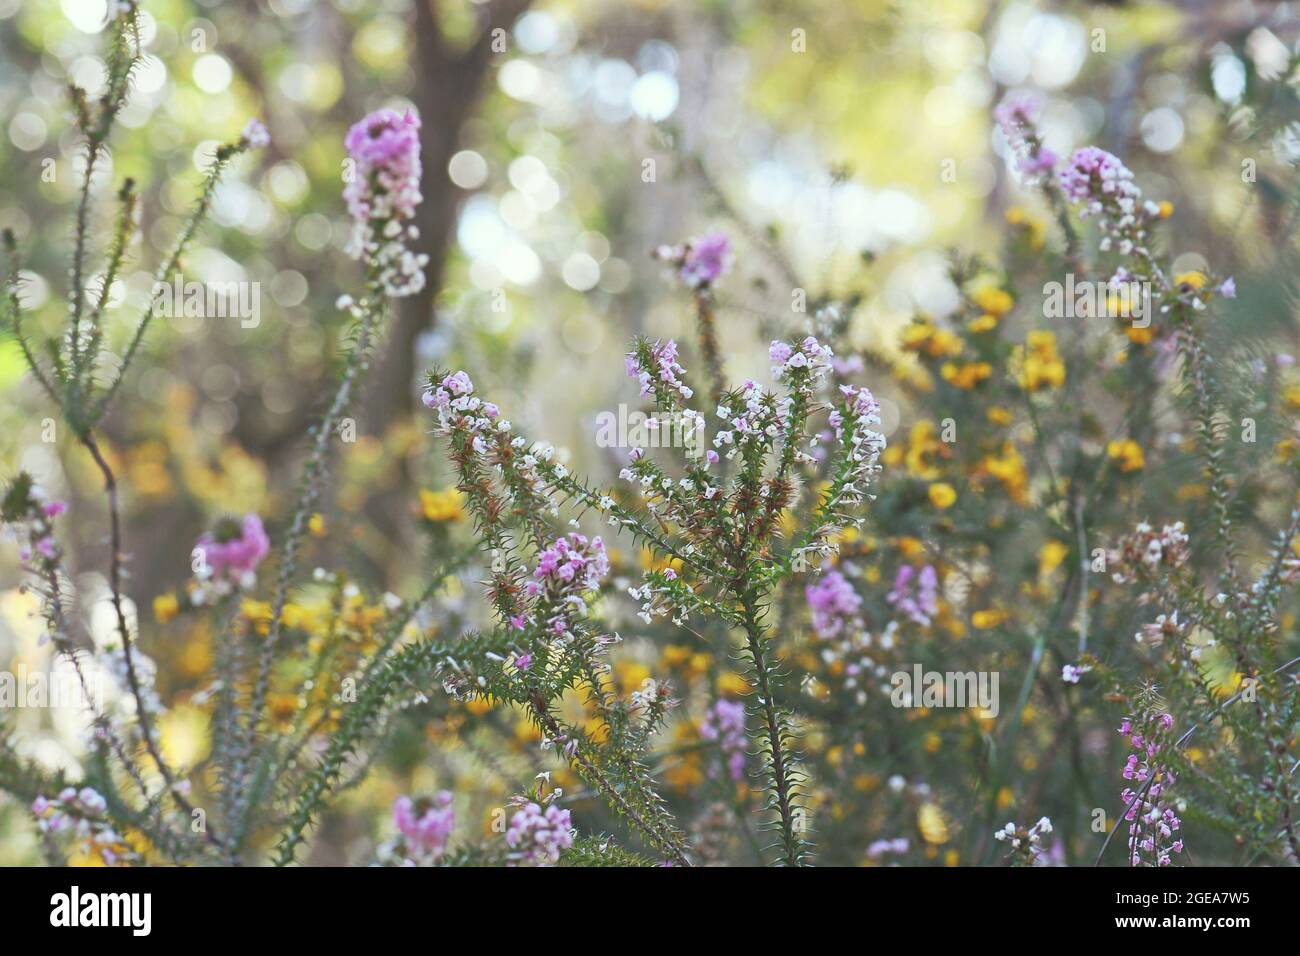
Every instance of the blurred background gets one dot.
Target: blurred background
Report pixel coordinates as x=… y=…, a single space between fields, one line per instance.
x=844 y=146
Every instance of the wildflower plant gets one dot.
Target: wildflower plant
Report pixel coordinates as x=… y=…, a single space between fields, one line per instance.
x=770 y=638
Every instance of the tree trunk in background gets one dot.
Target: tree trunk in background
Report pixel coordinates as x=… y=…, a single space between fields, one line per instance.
x=448 y=86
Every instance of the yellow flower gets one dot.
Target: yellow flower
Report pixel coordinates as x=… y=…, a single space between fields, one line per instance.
x=923 y=445
x=1009 y=469
x=316 y=525
x=942 y=495
x=1017 y=216
x=1050 y=556
x=1141 y=336
x=930 y=821
x=258 y=612
x=984 y=323
x=988 y=618
x=1192 y=281
x=1038 y=365
x=165 y=607
x=966 y=376
x=998 y=415
x=1166 y=209
x=1128 y=453
x=925 y=339
x=994 y=301
x=732 y=683
x=446 y=505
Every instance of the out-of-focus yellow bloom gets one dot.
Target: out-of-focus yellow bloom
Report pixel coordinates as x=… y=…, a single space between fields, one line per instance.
x=999 y=415
x=910 y=547
x=988 y=618
x=1037 y=364
x=258 y=613
x=1140 y=336
x=630 y=674
x=966 y=375
x=1009 y=469
x=942 y=495
x=650 y=562
x=316 y=525
x=1128 y=453
x=1166 y=209
x=1190 y=281
x=282 y=708
x=183 y=735
x=1050 y=556
x=923 y=447
x=983 y=323
x=730 y=682
x=995 y=301
x=926 y=339
x=445 y=505
x=1034 y=226
x=165 y=607
x=931 y=823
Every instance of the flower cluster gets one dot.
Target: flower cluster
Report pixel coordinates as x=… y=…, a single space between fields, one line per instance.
x=1153 y=826
x=424 y=826
x=788 y=360
x=83 y=815
x=568 y=570
x=537 y=835
x=725 y=725
x=229 y=555
x=835 y=606
x=28 y=512
x=656 y=367
x=700 y=262
x=1145 y=551
x=382 y=195
x=1026 y=843
x=916 y=594
x=1017 y=116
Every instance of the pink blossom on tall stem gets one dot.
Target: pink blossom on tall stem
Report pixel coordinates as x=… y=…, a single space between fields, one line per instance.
x=1153 y=826
x=702 y=261
x=382 y=196
x=232 y=550
x=1017 y=116
x=706 y=259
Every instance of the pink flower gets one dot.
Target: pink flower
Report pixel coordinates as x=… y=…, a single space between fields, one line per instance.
x=382 y=197
x=725 y=723
x=539 y=835
x=920 y=601
x=833 y=602
x=234 y=547
x=1092 y=173
x=705 y=260
x=425 y=824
